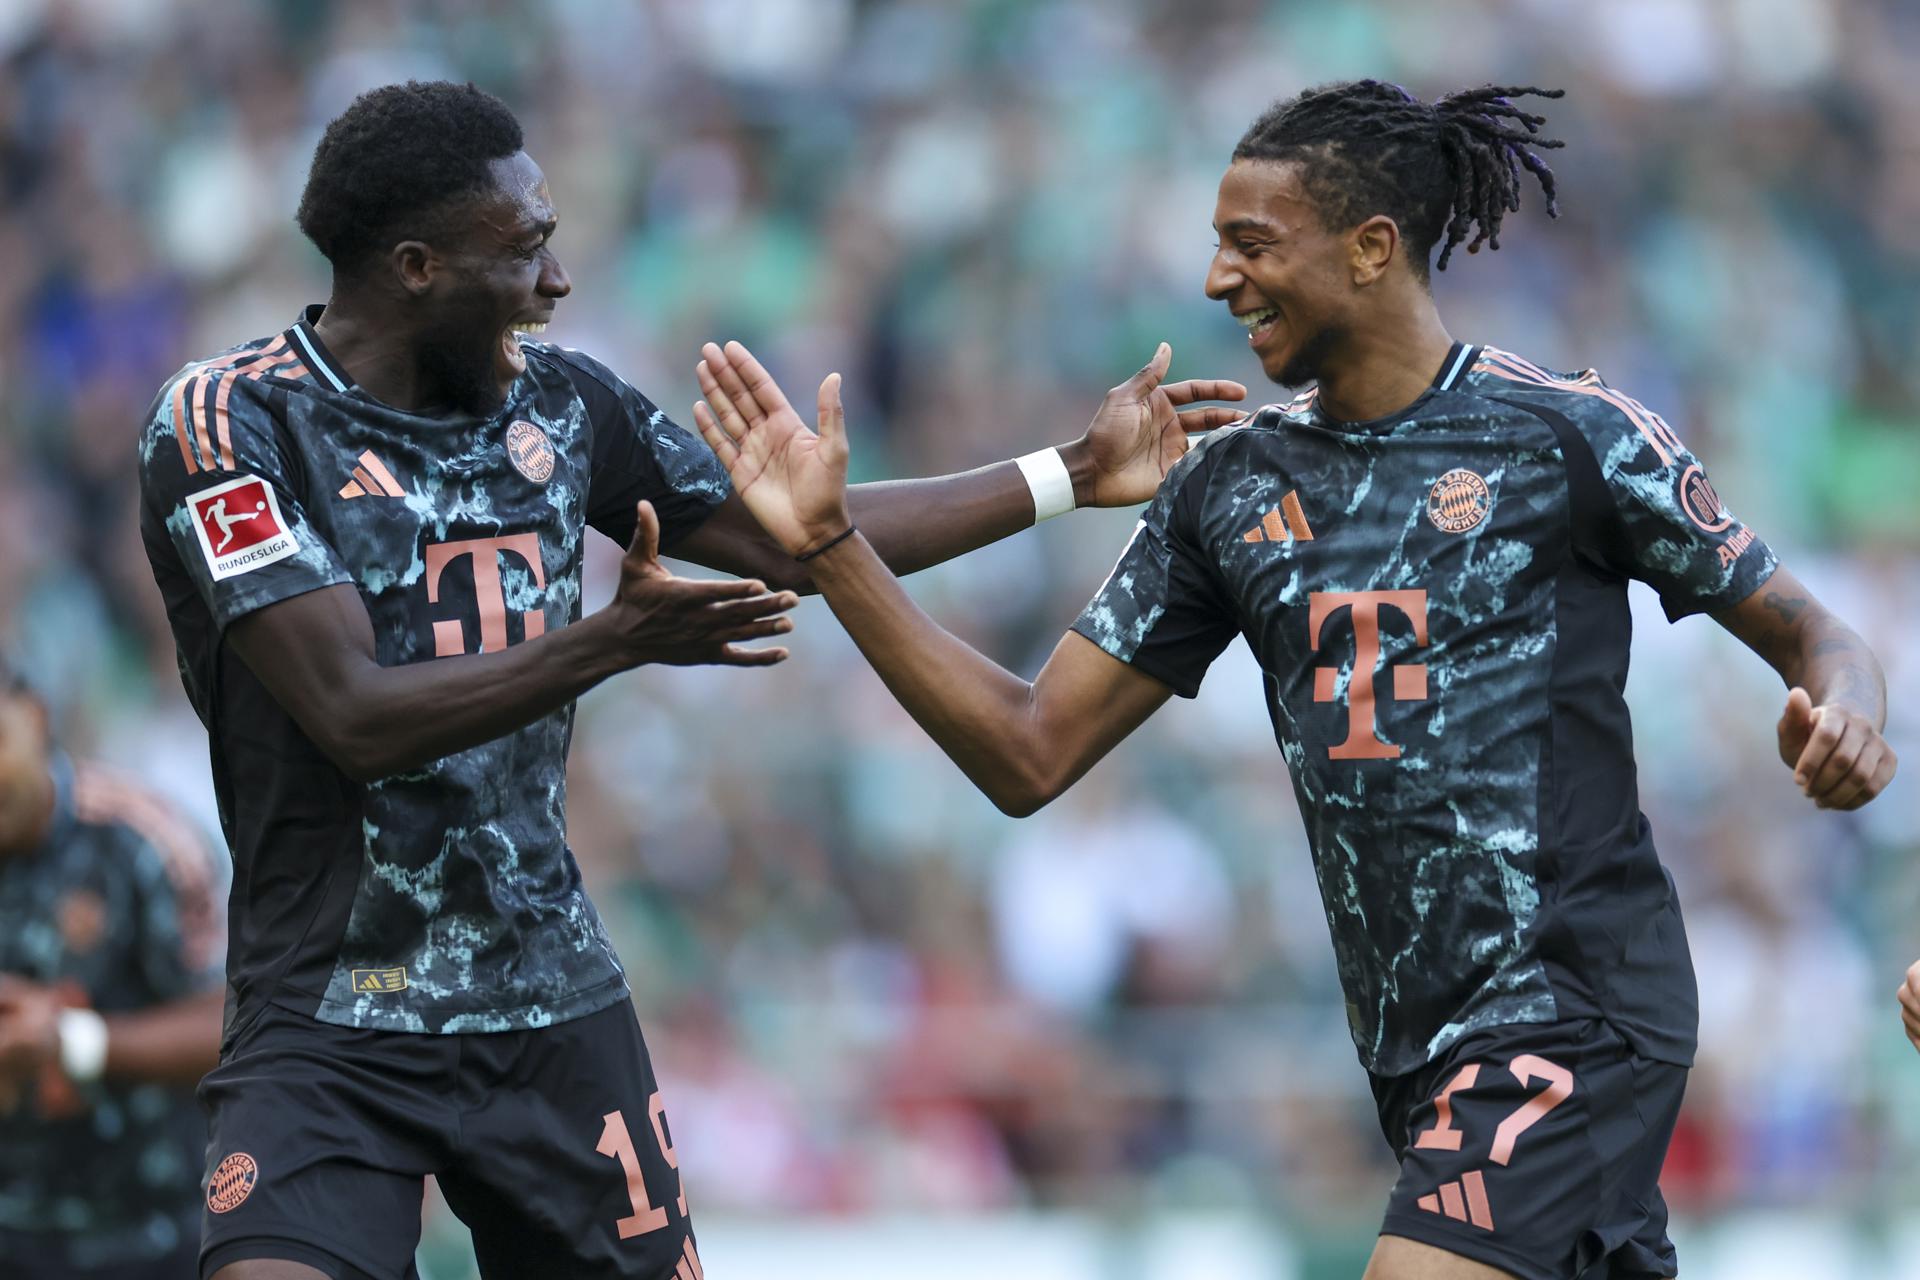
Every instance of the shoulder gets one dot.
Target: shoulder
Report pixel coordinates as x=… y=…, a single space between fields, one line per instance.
x=1614 y=424
x=585 y=372
x=213 y=409
x=1221 y=449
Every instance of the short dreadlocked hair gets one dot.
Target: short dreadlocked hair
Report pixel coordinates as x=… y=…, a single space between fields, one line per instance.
x=1452 y=166
x=393 y=162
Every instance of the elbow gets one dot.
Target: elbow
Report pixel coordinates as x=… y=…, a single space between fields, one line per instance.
x=1026 y=790
x=364 y=752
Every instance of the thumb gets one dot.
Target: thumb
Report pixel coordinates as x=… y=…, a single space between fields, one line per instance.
x=1796 y=724
x=1155 y=369
x=832 y=417
x=646 y=536
x=1798 y=717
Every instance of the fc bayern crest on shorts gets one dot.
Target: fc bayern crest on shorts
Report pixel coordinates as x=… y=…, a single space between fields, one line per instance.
x=530 y=451
x=1458 y=501
x=232 y=1182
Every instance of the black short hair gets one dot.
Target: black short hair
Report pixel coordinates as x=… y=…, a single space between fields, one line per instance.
x=1366 y=148
x=395 y=160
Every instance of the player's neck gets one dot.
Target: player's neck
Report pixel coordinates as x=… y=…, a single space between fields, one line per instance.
x=1385 y=367
x=374 y=354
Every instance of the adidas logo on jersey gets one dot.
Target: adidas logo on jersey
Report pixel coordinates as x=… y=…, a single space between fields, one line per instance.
x=1285 y=523
x=371 y=478
x=379 y=981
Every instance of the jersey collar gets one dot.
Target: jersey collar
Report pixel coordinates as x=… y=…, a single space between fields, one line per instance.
x=306 y=339
x=1452 y=371
x=1454 y=367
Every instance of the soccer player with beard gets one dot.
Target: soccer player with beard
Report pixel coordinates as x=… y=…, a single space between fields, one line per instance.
x=368 y=529
x=1428 y=552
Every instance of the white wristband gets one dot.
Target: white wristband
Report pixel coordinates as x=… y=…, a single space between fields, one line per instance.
x=1047 y=477
x=83 y=1044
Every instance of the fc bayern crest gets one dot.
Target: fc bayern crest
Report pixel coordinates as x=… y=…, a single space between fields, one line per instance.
x=1458 y=501
x=530 y=451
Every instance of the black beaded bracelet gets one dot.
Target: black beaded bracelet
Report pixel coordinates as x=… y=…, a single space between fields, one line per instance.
x=828 y=546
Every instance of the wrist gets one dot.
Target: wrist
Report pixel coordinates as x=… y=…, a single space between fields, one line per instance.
x=1059 y=480
x=1078 y=458
x=83 y=1045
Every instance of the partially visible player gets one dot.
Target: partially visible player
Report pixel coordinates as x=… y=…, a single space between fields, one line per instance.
x=368 y=528
x=1428 y=552
x=1909 y=997
x=110 y=995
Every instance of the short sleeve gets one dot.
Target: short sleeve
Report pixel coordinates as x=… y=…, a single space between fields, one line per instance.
x=641 y=454
x=221 y=496
x=1161 y=610
x=1669 y=527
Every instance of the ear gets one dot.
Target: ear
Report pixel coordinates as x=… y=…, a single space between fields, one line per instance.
x=1372 y=247
x=414 y=265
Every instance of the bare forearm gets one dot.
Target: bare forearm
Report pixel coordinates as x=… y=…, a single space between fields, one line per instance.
x=427 y=710
x=1813 y=649
x=979 y=713
x=914 y=524
x=170 y=1044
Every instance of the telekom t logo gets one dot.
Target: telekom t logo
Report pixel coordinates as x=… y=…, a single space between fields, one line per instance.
x=1409 y=680
x=449 y=637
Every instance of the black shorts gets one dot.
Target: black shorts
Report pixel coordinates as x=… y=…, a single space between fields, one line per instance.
x=550 y=1144
x=1537 y=1150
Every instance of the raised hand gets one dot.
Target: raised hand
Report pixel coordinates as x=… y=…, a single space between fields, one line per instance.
x=1140 y=431
x=681 y=622
x=792 y=479
x=1838 y=757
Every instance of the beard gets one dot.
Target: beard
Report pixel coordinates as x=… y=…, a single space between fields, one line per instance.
x=461 y=369
x=1308 y=360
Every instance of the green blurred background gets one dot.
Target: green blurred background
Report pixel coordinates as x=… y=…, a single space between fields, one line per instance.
x=898 y=1033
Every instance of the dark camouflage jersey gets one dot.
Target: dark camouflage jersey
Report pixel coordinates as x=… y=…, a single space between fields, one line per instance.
x=443 y=899
x=1438 y=601
x=117 y=908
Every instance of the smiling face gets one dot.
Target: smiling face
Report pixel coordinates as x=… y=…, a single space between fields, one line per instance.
x=1286 y=277
x=490 y=279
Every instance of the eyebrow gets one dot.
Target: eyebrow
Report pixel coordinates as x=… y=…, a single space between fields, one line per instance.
x=1246 y=224
x=541 y=229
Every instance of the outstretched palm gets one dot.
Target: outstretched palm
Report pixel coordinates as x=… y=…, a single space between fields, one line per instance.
x=1141 y=429
x=792 y=479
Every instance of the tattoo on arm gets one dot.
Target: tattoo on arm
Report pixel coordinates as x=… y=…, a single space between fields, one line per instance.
x=1788 y=607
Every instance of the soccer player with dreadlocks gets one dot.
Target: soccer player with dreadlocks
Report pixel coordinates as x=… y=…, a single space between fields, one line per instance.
x=1428 y=552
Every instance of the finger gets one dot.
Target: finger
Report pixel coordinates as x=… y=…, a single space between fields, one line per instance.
x=736 y=612
x=1210 y=417
x=716 y=437
x=760 y=630
x=756 y=381
x=725 y=409
x=1821 y=741
x=832 y=419
x=701 y=592
x=726 y=368
x=1204 y=389
x=1858 y=786
x=735 y=656
x=1150 y=373
x=1849 y=738
x=646 y=535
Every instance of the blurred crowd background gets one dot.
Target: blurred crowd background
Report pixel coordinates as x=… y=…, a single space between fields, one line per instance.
x=865 y=990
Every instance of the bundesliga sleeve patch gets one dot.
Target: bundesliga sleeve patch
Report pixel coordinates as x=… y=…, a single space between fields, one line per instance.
x=240 y=526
